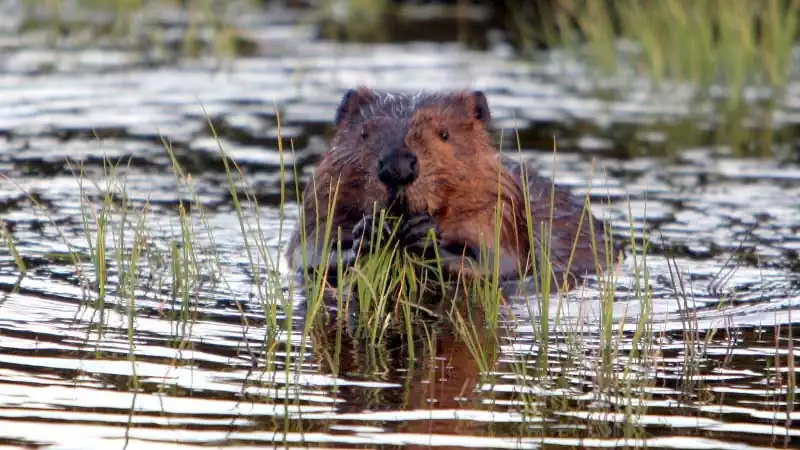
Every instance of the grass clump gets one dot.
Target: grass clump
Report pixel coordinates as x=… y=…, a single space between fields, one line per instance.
x=734 y=55
x=383 y=318
x=707 y=42
x=140 y=24
x=472 y=315
x=355 y=19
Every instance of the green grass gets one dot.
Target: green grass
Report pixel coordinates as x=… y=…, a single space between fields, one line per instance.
x=720 y=48
x=117 y=241
x=386 y=320
x=362 y=20
x=208 y=31
x=134 y=24
x=475 y=313
x=120 y=258
x=704 y=42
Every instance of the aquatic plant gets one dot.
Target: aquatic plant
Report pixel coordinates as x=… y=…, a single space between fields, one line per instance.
x=135 y=23
x=735 y=55
x=361 y=20
x=381 y=318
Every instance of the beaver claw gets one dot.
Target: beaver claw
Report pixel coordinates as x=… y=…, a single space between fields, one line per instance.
x=364 y=234
x=414 y=232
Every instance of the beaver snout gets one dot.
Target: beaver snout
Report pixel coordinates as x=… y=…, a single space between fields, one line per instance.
x=398 y=169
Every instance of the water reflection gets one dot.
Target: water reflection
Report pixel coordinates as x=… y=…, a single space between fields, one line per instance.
x=438 y=371
x=208 y=368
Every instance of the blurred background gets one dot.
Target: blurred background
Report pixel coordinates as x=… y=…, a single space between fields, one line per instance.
x=668 y=75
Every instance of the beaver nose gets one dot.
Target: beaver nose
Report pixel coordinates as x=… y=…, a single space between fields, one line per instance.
x=398 y=169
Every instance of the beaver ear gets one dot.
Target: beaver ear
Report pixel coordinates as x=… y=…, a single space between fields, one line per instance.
x=481 y=108
x=351 y=103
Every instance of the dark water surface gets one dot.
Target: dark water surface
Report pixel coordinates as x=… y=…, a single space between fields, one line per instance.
x=723 y=268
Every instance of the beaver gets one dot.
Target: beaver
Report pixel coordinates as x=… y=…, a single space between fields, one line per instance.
x=428 y=158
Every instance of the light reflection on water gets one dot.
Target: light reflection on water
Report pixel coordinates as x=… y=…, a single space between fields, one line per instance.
x=63 y=385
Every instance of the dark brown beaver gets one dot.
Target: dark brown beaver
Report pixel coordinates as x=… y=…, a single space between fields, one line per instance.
x=428 y=158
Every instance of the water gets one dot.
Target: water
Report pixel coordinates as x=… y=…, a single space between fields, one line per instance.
x=725 y=236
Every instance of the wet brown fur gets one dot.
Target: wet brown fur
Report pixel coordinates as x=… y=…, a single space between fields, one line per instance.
x=460 y=181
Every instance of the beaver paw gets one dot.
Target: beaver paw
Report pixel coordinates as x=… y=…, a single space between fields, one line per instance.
x=414 y=232
x=364 y=234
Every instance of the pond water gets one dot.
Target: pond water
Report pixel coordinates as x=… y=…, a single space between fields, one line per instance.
x=723 y=265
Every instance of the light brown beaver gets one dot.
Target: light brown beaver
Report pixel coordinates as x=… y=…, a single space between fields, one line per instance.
x=428 y=158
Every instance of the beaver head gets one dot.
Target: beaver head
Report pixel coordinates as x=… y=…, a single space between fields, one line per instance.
x=458 y=170
x=410 y=150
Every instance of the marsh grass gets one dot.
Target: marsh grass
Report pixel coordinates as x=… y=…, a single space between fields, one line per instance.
x=126 y=263
x=618 y=371
x=361 y=20
x=134 y=22
x=7 y=237
x=705 y=42
x=385 y=302
x=734 y=56
x=12 y=248
x=720 y=48
x=207 y=30
x=475 y=311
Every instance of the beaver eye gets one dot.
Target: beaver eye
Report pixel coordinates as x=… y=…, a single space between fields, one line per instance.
x=364 y=133
x=444 y=135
